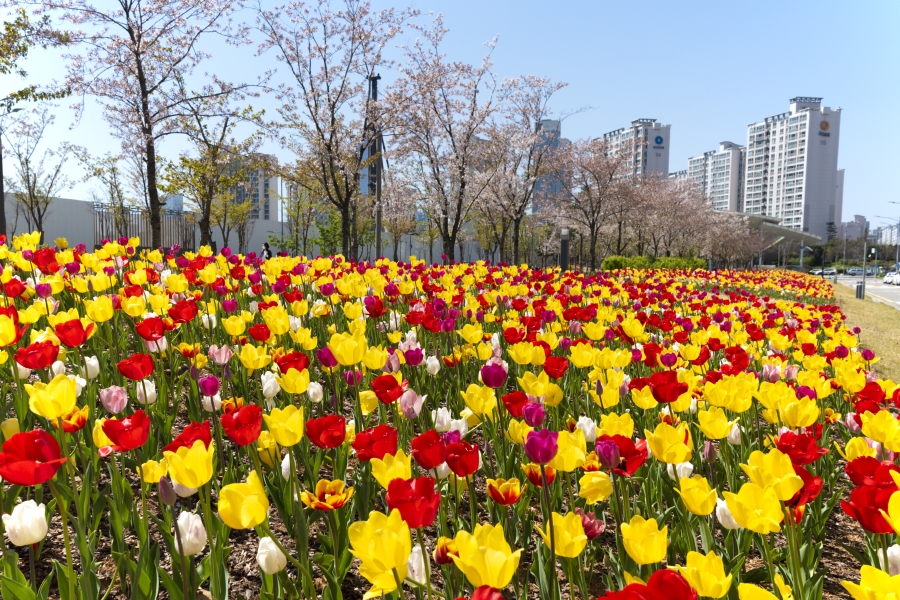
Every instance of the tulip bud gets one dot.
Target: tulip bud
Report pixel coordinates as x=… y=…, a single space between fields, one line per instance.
x=709 y=452
x=146 y=392
x=167 y=493
x=209 y=386
x=432 y=365
x=93 y=367
x=893 y=556
x=534 y=414
x=270 y=385
x=444 y=549
x=415 y=565
x=182 y=490
x=27 y=524
x=192 y=534
x=608 y=454
x=9 y=427
x=270 y=557
x=680 y=471
x=734 y=436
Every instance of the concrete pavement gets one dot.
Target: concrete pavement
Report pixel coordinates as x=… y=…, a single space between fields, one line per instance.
x=875 y=289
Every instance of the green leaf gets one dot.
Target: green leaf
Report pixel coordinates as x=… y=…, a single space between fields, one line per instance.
x=15 y=590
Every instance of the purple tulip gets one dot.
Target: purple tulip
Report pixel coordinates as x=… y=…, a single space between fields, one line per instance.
x=73 y=267
x=841 y=351
x=44 y=290
x=81 y=248
x=534 y=414
x=493 y=375
x=326 y=358
x=255 y=277
x=229 y=305
x=209 y=385
x=327 y=289
x=803 y=391
x=452 y=437
x=636 y=355
x=352 y=378
x=668 y=359
x=414 y=357
x=608 y=454
x=709 y=452
x=867 y=354
x=541 y=446
x=279 y=287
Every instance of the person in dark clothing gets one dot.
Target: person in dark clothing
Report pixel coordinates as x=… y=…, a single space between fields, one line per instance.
x=266 y=253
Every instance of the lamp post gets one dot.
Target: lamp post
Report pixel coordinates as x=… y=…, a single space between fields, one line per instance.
x=2 y=191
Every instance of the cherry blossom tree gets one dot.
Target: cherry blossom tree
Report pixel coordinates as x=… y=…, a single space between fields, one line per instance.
x=327 y=116
x=444 y=112
x=133 y=57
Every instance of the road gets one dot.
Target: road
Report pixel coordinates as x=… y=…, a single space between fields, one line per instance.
x=875 y=289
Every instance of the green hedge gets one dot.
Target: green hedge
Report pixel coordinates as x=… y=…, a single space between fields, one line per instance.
x=611 y=263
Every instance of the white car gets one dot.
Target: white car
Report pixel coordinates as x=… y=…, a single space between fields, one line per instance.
x=890 y=277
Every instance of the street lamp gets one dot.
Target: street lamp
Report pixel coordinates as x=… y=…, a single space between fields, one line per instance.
x=2 y=191
x=802 y=250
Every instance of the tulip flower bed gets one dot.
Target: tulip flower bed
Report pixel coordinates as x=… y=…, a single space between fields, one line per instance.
x=459 y=431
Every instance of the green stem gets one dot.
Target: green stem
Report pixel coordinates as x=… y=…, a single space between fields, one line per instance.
x=63 y=514
x=426 y=560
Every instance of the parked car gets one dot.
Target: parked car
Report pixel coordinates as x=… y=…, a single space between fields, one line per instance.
x=855 y=271
x=889 y=278
x=816 y=272
x=829 y=272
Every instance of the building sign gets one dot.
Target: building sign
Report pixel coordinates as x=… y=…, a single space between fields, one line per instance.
x=824 y=125
x=658 y=141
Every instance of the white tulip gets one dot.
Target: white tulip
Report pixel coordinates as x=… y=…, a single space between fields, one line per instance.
x=192 y=532
x=723 y=513
x=211 y=403
x=208 y=321
x=893 y=555
x=27 y=524
x=587 y=425
x=416 y=566
x=441 y=418
x=286 y=466
x=315 y=392
x=58 y=368
x=270 y=557
x=93 y=367
x=734 y=436
x=460 y=425
x=270 y=385
x=23 y=372
x=80 y=382
x=158 y=346
x=442 y=471
x=182 y=490
x=146 y=392
x=432 y=365
x=680 y=471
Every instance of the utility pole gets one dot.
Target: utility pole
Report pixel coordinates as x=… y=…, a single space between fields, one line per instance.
x=897 y=238
x=375 y=147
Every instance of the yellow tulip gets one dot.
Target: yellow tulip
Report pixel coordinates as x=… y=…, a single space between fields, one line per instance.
x=243 y=505
x=391 y=467
x=134 y=306
x=571 y=454
x=755 y=508
x=98 y=435
x=883 y=427
x=534 y=385
x=10 y=427
x=267 y=448
x=697 y=495
x=714 y=423
x=348 y=350
x=669 y=444
x=191 y=467
x=294 y=381
x=99 y=310
x=375 y=358
x=151 y=471
x=773 y=470
x=874 y=584
x=286 y=425
x=368 y=402
x=748 y=591
x=382 y=544
x=569 y=538
x=234 y=325
x=799 y=413
x=277 y=319
x=706 y=574
x=521 y=353
x=582 y=355
x=612 y=424
x=644 y=541
x=471 y=333
x=595 y=486
x=517 y=431
x=52 y=400
x=480 y=399
x=485 y=557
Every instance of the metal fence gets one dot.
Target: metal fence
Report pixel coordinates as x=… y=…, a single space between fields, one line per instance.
x=112 y=223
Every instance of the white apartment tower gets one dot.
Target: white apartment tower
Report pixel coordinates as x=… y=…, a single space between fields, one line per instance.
x=646 y=141
x=718 y=175
x=791 y=167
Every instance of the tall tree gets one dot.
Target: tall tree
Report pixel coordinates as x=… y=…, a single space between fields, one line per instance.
x=327 y=117
x=444 y=111
x=134 y=59
x=38 y=176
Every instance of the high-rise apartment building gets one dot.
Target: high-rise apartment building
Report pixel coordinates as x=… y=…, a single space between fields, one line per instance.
x=548 y=188
x=646 y=142
x=261 y=190
x=718 y=175
x=791 y=167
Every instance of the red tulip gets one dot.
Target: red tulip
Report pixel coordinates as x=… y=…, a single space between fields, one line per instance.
x=664 y=584
x=38 y=355
x=462 y=458
x=416 y=499
x=865 y=506
x=260 y=332
x=327 y=432
x=191 y=433
x=801 y=448
x=665 y=387
x=376 y=442
x=183 y=312
x=429 y=450
x=292 y=360
x=73 y=333
x=151 y=329
x=556 y=366
x=30 y=458
x=515 y=402
x=136 y=367
x=486 y=592
x=632 y=455
x=387 y=389
x=812 y=486
x=243 y=426
x=126 y=434
x=868 y=471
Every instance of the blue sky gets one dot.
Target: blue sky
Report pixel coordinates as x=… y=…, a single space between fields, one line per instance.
x=706 y=68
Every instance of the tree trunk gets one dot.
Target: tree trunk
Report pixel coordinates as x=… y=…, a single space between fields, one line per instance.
x=593 y=233
x=153 y=196
x=345 y=229
x=447 y=247
x=517 y=223
x=396 y=244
